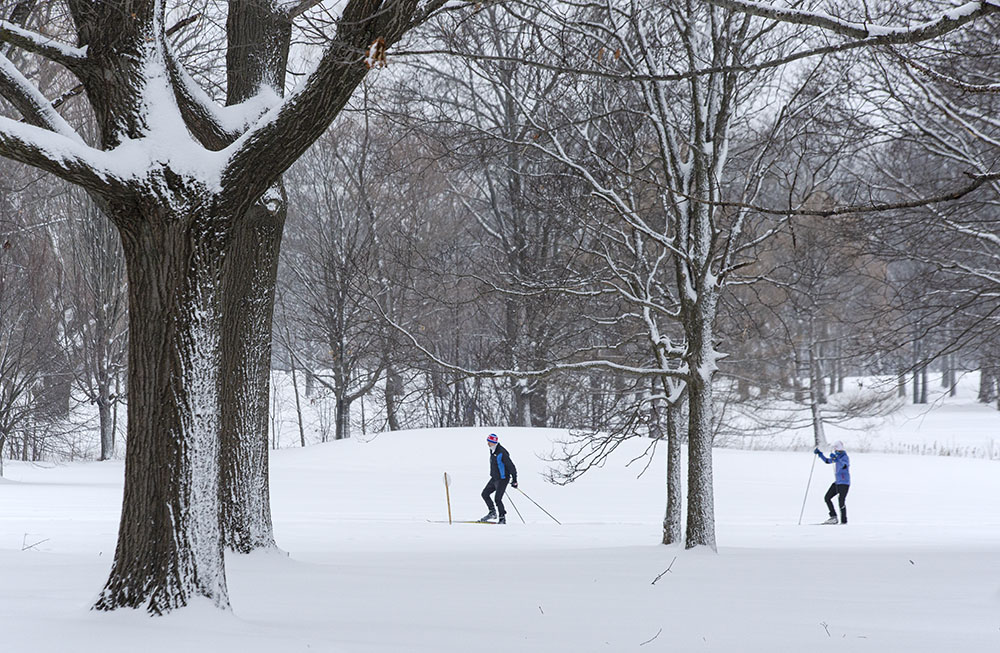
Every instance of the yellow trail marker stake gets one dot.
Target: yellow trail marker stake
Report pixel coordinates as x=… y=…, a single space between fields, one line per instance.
x=447 y=494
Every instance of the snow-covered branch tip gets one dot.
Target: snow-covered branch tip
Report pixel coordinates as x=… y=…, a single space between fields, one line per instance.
x=62 y=53
x=878 y=34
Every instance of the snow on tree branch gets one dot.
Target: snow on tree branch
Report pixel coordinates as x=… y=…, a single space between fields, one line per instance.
x=59 y=154
x=33 y=105
x=49 y=48
x=877 y=34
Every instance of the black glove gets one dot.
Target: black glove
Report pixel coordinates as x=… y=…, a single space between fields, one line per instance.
x=513 y=483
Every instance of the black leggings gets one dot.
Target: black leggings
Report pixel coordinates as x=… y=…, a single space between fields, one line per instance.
x=834 y=491
x=499 y=487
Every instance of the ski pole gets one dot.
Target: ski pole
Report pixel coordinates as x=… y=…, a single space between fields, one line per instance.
x=511 y=499
x=802 y=512
x=539 y=507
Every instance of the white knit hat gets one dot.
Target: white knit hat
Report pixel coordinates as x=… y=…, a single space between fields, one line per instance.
x=837 y=446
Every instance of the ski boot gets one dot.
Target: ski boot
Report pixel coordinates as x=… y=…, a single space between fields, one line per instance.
x=502 y=520
x=490 y=516
x=831 y=520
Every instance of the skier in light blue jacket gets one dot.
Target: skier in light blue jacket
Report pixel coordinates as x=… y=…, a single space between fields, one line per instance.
x=842 y=481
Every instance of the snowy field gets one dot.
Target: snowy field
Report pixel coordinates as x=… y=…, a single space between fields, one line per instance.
x=917 y=569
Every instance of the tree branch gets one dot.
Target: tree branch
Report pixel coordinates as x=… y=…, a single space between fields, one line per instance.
x=877 y=34
x=29 y=101
x=922 y=32
x=70 y=57
x=61 y=155
x=283 y=134
x=978 y=180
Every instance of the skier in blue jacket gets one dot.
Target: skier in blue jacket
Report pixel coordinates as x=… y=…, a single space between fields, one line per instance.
x=502 y=472
x=841 y=483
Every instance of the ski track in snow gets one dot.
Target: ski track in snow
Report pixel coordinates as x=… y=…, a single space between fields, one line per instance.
x=916 y=569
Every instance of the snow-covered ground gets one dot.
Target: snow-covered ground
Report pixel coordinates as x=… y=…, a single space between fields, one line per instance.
x=917 y=569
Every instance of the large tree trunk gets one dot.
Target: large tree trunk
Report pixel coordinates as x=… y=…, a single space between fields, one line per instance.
x=249 y=279
x=169 y=550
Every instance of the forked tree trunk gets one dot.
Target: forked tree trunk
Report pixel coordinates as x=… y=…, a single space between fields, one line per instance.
x=169 y=550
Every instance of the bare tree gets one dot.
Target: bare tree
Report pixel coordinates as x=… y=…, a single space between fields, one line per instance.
x=29 y=351
x=93 y=298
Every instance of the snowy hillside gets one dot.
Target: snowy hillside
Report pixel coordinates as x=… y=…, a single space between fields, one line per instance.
x=916 y=569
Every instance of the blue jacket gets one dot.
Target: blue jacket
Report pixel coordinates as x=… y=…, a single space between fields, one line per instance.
x=842 y=471
x=501 y=466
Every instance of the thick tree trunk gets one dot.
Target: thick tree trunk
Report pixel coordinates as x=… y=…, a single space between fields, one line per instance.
x=249 y=279
x=169 y=550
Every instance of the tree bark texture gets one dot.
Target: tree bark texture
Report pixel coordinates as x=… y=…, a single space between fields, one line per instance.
x=672 y=518
x=256 y=58
x=699 y=327
x=249 y=280
x=169 y=550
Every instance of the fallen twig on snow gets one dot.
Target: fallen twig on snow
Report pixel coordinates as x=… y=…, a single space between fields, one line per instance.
x=652 y=638
x=664 y=571
x=25 y=547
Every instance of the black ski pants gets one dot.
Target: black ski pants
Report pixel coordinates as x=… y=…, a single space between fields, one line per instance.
x=839 y=491
x=498 y=487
